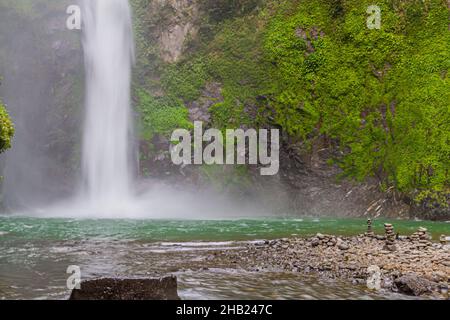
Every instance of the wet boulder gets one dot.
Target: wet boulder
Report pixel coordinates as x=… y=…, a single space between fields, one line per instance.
x=414 y=285
x=127 y=289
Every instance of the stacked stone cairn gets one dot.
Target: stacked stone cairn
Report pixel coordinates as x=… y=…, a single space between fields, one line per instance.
x=422 y=238
x=390 y=237
x=443 y=239
x=369 y=232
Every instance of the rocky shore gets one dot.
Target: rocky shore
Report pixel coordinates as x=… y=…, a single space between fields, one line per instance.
x=410 y=265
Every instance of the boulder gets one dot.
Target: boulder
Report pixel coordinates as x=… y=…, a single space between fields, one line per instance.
x=342 y=245
x=412 y=284
x=127 y=289
x=315 y=242
x=373 y=281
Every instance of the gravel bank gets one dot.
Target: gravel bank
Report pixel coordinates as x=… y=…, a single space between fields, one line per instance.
x=409 y=265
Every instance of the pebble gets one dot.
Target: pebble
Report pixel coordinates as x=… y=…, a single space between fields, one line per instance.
x=349 y=257
x=373 y=281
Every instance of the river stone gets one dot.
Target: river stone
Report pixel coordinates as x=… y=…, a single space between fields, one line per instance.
x=343 y=245
x=127 y=289
x=440 y=276
x=446 y=263
x=443 y=287
x=373 y=281
x=315 y=242
x=414 y=285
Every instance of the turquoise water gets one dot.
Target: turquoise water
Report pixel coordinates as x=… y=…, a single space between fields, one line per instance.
x=202 y=230
x=35 y=254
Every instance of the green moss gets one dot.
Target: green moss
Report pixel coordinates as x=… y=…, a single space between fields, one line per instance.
x=185 y=79
x=314 y=69
x=382 y=94
x=160 y=115
x=229 y=113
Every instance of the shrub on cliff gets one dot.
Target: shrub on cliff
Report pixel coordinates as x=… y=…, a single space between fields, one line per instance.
x=6 y=129
x=160 y=115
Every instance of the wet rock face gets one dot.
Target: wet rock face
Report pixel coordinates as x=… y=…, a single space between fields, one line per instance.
x=429 y=209
x=180 y=22
x=199 y=109
x=127 y=289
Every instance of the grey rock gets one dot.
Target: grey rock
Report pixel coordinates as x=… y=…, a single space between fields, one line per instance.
x=373 y=281
x=414 y=285
x=127 y=289
x=343 y=246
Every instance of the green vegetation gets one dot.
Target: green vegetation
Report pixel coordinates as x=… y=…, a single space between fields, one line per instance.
x=381 y=98
x=314 y=69
x=6 y=129
x=384 y=95
x=185 y=79
x=160 y=115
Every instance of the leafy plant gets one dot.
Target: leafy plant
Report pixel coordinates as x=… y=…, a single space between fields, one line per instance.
x=6 y=129
x=160 y=115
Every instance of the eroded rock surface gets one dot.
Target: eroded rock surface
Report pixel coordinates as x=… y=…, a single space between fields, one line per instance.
x=127 y=289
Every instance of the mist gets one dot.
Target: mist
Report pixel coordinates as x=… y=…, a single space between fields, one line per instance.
x=40 y=61
x=44 y=89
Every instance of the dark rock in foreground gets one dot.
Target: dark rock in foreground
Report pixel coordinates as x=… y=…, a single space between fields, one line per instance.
x=127 y=289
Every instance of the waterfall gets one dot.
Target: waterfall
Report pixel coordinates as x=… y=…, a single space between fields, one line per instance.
x=108 y=189
x=108 y=49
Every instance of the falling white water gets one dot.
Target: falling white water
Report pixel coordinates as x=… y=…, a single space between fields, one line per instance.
x=108 y=190
x=108 y=49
